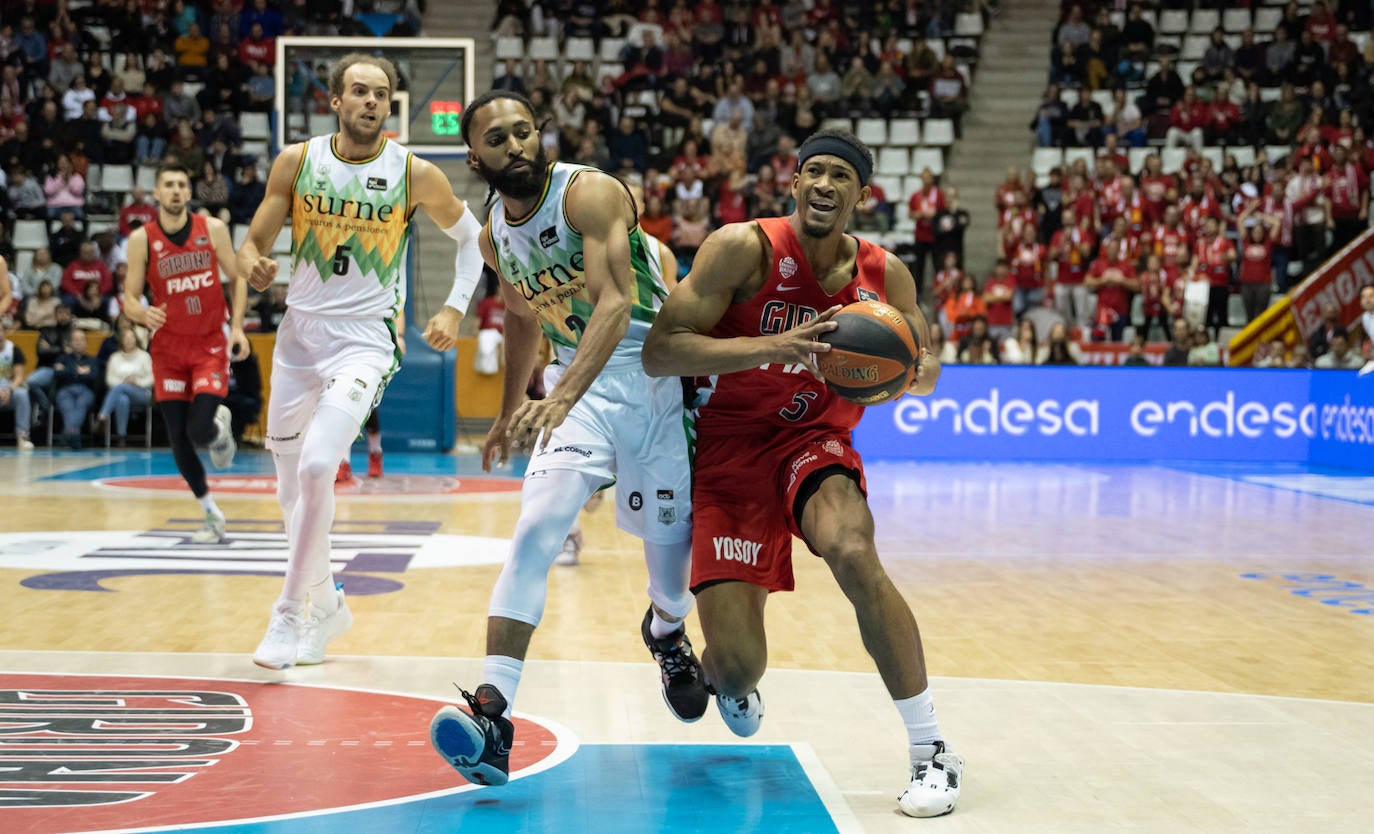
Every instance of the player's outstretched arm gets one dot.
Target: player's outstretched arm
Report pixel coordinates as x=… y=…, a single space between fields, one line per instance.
x=138 y=312
x=901 y=293
x=254 y=259
x=238 y=288
x=727 y=268
x=521 y=345
x=599 y=207
x=431 y=190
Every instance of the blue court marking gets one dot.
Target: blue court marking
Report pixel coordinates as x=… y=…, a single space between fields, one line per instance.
x=606 y=789
x=134 y=464
x=1345 y=485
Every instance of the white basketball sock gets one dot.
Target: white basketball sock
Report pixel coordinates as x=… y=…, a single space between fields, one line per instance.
x=503 y=673
x=208 y=504
x=918 y=712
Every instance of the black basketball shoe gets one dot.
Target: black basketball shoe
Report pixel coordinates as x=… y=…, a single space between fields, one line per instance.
x=476 y=745
x=684 y=689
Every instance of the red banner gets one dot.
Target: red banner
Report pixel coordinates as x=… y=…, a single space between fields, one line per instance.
x=1115 y=353
x=1337 y=282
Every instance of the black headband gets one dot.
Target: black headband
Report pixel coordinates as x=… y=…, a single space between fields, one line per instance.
x=834 y=146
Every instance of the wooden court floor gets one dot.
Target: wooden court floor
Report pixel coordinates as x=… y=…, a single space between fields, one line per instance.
x=1113 y=648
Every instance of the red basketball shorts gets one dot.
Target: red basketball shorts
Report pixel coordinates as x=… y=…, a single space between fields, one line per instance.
x=185 y=366
x=745 y=501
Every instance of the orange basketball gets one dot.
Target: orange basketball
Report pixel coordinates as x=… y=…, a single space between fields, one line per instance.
x=873 y=353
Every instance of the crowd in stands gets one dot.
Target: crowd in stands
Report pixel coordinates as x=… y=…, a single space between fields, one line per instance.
x=93 y=96
x=1158 y=193
x=701 y=107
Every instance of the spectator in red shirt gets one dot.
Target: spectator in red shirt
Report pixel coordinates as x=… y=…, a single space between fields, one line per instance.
x=947 y=282
x=1342 y=50
x=924 y=204
x=1256 y=261
x=1347 y=188
x=1113 y=276
x=1321 y=23
x=689 y=162
x=1005 y=197
x=999 y=291
x=1223 y=119
x=1214 y=255
x=138 y=209
x=1082 y=200
x=1157 y=283
x=1014 y=221
x=1110 y=150
x=1028 y=268
x=1187 y=119
x=86 y=268
x=1312 y=148
x=1198 y=205
x=1071 y=248
x=257 y=48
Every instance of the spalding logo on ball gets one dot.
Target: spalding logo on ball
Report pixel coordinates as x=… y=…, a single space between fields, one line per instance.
x=873 y=353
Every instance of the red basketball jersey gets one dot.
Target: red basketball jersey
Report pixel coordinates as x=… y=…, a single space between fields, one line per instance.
x=186 y=279
x=779 y=394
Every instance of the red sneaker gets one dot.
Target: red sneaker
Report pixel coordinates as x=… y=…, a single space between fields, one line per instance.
x=374 y=464
x=345 y=474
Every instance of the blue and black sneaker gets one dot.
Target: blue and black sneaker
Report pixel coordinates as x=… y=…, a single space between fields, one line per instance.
x=476 y=745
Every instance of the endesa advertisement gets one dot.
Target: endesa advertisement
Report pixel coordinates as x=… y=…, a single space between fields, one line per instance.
x=1130 y=414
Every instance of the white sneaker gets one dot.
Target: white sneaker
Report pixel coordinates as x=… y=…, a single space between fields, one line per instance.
x=934 y=787
x=24 y=444
x=742 y=715
x=572 y=548
x=223 y=448
x=279 y=647
x=319 y=629
x=211 y=532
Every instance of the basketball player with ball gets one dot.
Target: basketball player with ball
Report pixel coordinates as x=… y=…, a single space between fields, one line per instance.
x=753 y=320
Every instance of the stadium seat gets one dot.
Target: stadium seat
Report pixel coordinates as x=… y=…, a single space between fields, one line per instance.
x=240 y=235
x=1216 y=154
x=1172 y=22
x=1173 y=159
x=1043 y=159
x=1244 y=154
x=892 y=187
x=937 y=133
x=543 y=49
x=579 y=49
x=1269 y=94
x=872 y=132
x=1204 y=21
x=282 y=244
x=1137 y=158
x=254 y=125
x=146 y=178
x=117 y=179
x=94 y=176
x=192 y=88
x=1103 y=99
x=1185 y=68
x=610 y=50
x=834 y=123
x=1193 y=48
x=1266 y=21
x=904 y=133
x=1277 y=152
x=893 y=162
x=932 y=158
x=30 y=234
x=23 y=259
x=322 y=124
x=1236 y=20
x=1085 y=154
x=937 y=46
x=510 y=49
x=968 y=25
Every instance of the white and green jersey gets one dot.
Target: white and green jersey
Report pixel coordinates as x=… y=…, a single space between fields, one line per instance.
x=350 y=223
x=540 y=255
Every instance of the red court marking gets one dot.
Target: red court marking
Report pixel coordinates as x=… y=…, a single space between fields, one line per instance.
x=294 y=749
x=267 y=484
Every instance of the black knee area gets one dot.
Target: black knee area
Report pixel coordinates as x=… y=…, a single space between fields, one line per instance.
x=175 y=415
x=200 y=420
x=374 y=423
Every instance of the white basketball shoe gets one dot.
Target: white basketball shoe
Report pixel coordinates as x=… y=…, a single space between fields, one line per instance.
x=935 y=779
x=281 y=644
x=319 y=629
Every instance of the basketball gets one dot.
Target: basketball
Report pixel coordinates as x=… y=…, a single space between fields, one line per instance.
x=872 y=353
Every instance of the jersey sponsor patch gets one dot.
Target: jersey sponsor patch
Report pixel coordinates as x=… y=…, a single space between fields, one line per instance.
x=636 y=501
x=548 y=237
x=376 y=183
x=868 y=295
